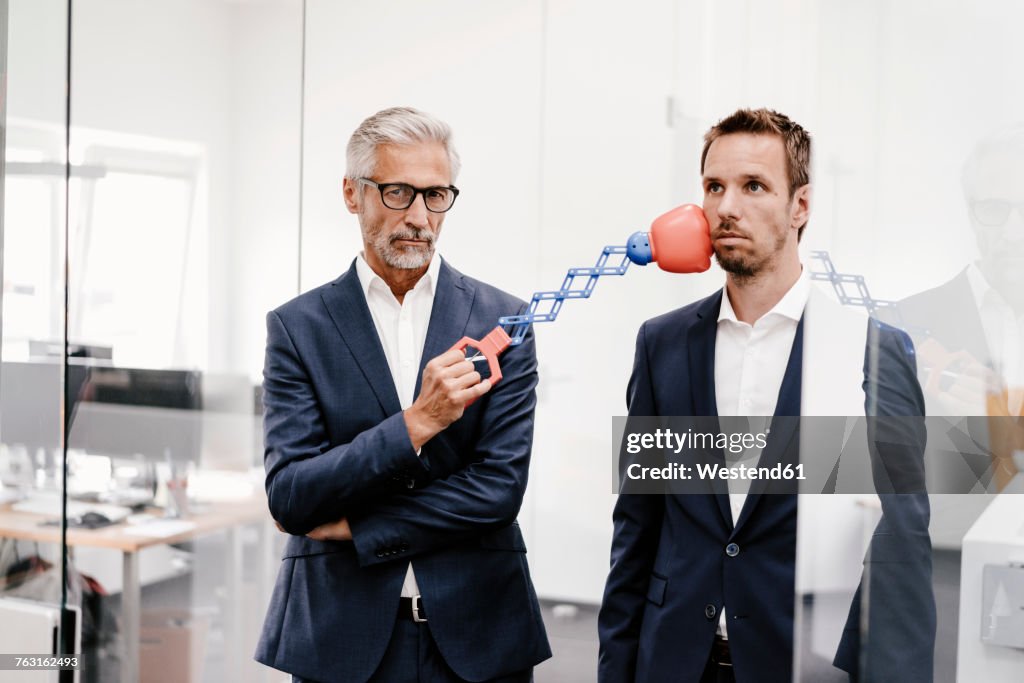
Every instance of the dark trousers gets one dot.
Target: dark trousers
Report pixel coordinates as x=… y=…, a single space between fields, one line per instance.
x=717 y=673
x=412 y=657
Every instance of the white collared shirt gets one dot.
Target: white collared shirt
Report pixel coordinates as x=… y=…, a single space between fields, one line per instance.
x=402 y=329
x=1004 y=334
x=750 y=362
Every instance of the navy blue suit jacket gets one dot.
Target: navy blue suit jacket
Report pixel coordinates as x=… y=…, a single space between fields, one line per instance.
x=337 y=446
x=670 y=575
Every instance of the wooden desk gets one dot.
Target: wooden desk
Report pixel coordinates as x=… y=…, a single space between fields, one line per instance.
x=209 y=518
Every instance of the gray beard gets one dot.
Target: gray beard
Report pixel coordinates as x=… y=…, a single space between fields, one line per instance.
x=407 y=258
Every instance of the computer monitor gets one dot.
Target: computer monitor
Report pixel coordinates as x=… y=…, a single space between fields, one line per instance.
x=130 y=411
x=30 y=403
x=119 y=412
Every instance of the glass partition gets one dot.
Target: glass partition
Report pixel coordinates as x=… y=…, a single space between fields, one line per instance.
x=186 y=126
x=39 y=600
x=143 y=239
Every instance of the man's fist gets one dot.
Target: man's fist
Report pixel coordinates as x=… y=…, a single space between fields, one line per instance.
x=449 y=383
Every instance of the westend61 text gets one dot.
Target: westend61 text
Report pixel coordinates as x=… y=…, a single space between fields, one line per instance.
x=705 y=471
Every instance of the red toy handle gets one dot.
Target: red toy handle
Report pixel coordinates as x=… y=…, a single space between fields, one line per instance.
x=491 y=346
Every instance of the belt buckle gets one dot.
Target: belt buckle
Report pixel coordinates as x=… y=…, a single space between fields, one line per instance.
x=416 y=610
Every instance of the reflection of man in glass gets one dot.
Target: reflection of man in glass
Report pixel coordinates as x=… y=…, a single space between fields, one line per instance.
x=970 y=330
x=994 y=186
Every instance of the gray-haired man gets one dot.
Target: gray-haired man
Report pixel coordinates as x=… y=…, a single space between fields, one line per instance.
x=404 y=560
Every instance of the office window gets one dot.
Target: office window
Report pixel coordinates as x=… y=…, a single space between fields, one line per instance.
x=138 y=247
x=134 y=269
x=33 y=248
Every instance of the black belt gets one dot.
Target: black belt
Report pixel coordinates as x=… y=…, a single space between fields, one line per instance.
x=720 y=652
x=411 y=609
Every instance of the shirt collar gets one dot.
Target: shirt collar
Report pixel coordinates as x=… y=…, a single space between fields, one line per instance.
x=791 y=305
x=984 y=294
x=369 y=279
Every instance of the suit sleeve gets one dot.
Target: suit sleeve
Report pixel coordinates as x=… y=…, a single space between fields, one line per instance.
x=896 y=586
x=308 y=482
x=484 y=495
x=637 y=520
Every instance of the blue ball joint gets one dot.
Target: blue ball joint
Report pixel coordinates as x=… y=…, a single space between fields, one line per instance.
x=638 y=248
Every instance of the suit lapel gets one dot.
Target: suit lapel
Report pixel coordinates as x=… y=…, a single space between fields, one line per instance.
x=700 y=344
x=453 y=301
x=347 y=307
x=788 y=402
x=783 y=431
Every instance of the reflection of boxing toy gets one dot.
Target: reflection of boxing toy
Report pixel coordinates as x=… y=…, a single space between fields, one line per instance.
x=963 y=384
x=679 y=242
x=939 y=367
x=941 y=371
x=840 y=280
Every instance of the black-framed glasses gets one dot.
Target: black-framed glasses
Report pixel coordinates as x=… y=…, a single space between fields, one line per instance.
x=400 y=196
x=995 y=212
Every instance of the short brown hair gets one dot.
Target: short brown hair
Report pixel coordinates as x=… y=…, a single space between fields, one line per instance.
x=769 y=122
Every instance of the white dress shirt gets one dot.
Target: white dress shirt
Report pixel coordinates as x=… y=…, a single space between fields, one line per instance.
x=402 y=329
x=750 y=362
x=1004 y=334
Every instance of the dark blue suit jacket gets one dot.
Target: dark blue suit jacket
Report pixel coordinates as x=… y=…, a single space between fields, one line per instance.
x=337 y=446
x=670 y=575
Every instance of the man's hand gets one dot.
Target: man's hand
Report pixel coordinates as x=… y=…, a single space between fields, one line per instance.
x=449 y=383
x=333 y=531
x=956 y=379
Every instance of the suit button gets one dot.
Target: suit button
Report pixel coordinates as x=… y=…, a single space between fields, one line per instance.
x=709 y=612
x=732 y=550
x=379 y=553
x=403 y=548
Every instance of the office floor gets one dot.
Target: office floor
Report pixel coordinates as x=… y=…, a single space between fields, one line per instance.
x=572 y=629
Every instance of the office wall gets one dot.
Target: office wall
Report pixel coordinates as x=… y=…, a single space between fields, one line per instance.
x=35 y=57
x=261 y=255
x=596 y=110
x=560 y=118
x=606 y=170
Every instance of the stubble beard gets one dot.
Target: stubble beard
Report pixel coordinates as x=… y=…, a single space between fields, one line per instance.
x=402 y=258
x=743 y=266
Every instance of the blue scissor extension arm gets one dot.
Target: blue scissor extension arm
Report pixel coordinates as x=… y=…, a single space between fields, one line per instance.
x=521 y=323
x=840 y=280
x=679 y=241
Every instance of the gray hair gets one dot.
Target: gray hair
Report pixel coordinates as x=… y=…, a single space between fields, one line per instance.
x=396 y=126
